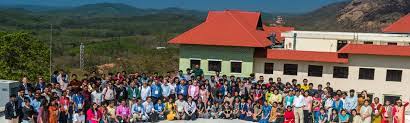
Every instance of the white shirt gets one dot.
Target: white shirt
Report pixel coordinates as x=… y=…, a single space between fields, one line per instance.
x=77 y=118
x=299 y=101
x=145 y=92
x=172 y=88
x=108 y=94
x=180 y=105
x=96 y=97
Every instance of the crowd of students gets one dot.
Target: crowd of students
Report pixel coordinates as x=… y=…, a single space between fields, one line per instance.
x=141 y=97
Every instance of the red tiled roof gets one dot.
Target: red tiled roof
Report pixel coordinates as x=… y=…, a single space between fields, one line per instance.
x=400 y=26
x=294 y=55
x=226 y=28
x=277 y=30
x=370 y=49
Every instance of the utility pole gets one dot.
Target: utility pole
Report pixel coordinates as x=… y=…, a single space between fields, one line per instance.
x=82 y=56
x=51 y=48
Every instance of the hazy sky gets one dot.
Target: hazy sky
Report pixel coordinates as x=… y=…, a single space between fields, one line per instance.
x=291 y=6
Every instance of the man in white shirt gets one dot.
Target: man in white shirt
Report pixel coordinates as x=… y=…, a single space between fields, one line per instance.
x=190 y=108
x=108 y=93
x=298 y=105
x=145 y=91
x=180 y=108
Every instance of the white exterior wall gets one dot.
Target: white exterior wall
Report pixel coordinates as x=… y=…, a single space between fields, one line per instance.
x=378 y=87
x=322 y=45
x=327 y=41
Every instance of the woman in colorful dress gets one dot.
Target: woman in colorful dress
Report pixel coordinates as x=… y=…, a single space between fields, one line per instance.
x=361 y=99
x=53 y=112
x=376 y=109
x=387 y=113
x=93 y=116
x=398 y=111
x=273 y=113
x=366 y=112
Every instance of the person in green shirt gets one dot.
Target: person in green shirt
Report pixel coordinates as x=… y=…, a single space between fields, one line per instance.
x=133 y=91
x=198 y=71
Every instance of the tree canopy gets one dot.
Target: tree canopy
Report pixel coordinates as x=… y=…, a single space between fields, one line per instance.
x=22 y=55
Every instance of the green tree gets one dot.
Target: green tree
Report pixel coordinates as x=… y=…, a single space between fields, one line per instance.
x=22 y=55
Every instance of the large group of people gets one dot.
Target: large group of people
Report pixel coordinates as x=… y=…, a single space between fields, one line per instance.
x=142 y=97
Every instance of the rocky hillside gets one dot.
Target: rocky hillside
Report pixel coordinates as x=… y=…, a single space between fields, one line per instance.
x=353 y=15
x=372 y=15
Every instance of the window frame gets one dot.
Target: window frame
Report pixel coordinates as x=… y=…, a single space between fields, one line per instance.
x=265 y=70
x=194 y=59
x=344 y=75
x=315 y=73
x=364 y=76
x=215 y=60
x=236 y=61
x=286 y=72
x=393 y=79
x=391 y=95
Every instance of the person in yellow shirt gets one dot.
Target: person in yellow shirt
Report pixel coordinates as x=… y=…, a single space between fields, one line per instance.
x=268 y=94
x=305 y=85
x=275 y=97
x=170 y=109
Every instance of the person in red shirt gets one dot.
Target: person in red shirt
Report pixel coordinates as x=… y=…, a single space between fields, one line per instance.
x=289 y=116
x=64 y=106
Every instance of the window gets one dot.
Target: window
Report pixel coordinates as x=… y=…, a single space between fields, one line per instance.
x=391 y=98
x=236 y=67
x=315 y=70
x=366 y=73
x=214 y=66
x=340 y=72
x=392 y=43
x=268 y=68
x=341 y=44
x=393 y=75
x=195 y=62
x=368 y=42
x=290 y=69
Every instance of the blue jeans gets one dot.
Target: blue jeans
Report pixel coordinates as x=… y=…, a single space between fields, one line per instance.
x=316 y=115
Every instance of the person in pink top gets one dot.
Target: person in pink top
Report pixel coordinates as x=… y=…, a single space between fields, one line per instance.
x=307 y=110
x=193 y=90
x=123 y=112
x=203 y=93
x=93 y=115
x=317 y=103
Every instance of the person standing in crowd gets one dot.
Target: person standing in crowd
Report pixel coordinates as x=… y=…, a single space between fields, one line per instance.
x=28 y=112
x=182 y=88
x=133 y=92
x=198 y=72
x=307 y=110
x=387 y=112
x=93 y=115
x=350 y=101
x=193 y=90
x=145 y=91
x=399 y=111
x=298 y=104
x=108 y=93
x=365 y=112
x=25 y=85
x=10 y=112
x=156 y=91
x=376 y=111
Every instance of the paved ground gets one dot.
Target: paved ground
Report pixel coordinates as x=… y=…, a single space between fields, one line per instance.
x=2 y=120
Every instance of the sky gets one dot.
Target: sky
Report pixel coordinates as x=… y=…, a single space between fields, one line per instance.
x=275 y=6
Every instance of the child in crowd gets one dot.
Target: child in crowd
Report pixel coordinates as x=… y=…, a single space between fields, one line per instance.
x=289 y=115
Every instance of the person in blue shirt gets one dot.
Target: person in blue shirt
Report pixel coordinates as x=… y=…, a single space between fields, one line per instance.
x=137 y=112
x=36 y=102
x=182 y=88
x=337 y=104
x=265 y=113
x=156 y=91
x=78 y=102
x=149 y=111
x=243 y=109
x=159 y=109
x=343 y=116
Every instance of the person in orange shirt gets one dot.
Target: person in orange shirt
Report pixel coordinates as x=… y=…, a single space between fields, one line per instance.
x=53 y=112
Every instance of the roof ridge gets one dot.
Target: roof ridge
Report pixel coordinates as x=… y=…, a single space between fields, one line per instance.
x=245 y=28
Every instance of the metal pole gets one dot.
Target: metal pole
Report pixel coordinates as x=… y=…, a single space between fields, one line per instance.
x=51 y=48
